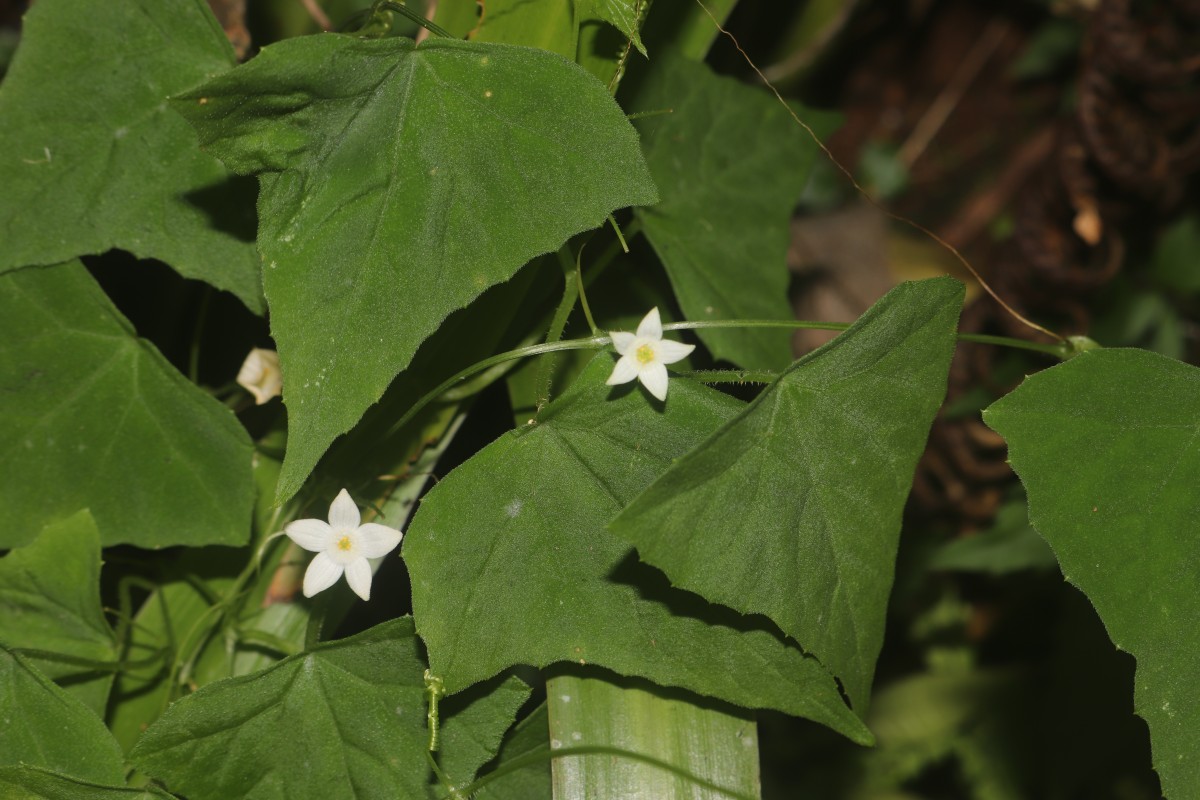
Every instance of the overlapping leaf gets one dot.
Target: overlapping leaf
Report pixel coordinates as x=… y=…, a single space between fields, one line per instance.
x=346 y=719
x=510 y=563
x=1108 y=447
x=46 y=727
x=398 y=182
x=29 y=783
x=96 y=418
x=792 y=509
x=730 y=163
x=50 y=602
x=94 y=159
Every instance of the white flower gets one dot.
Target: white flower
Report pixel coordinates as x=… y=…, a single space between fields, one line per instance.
x=260 y=375
x=342 y=545
x=644 y=355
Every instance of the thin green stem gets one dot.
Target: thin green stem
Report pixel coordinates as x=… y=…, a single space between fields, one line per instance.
x=595 y=343
x=480 y=382
x=187 y=655
x=795 y=324
x=620 y=236
x=125 y=616
x=1059 y=350
x=90 y=665
x=632 y=230
x=599 y=342
x=583 y=301
x=420 y=19
x=544 y=378
x=558 y=322
x=652 y=113
x=316 y=621
x=444 y=779
x=194 y=354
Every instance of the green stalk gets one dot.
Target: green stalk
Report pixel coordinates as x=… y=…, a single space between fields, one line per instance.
x=1062 y=350
x=675 y=748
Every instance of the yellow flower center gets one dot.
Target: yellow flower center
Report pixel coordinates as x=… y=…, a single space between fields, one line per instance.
x=344 y=544
x=644 y=354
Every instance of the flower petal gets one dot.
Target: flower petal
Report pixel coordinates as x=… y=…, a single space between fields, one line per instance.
x=358 y=575
x=260 y=375
x=651 y=325
x=375 y=540
x=622 y=341
x=321 y=574
x=311 y=534
x=654 y=377
x=342 y=512
x=668 y=352
x=624 y=371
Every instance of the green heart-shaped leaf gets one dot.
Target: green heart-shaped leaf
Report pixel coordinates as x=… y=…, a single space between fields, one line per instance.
x=93 y=157
x=511 y=564
x=398 y=182
x=96 y=418
x=50 y=602
x=46 y=727
x=792 y=508
x=347 y=719
x=1108 y=447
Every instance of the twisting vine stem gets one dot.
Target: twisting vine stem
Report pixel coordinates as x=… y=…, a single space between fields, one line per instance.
x=1063 y=350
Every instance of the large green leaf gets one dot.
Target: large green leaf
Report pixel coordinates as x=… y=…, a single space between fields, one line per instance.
x=46 y=727
x=792 y=509
x=94 y=159
x=30 y=783
x=510 y=563
x=730 y=163
x=96 y=418
x=50 y=603
x=1108 y=447
x=399 y=182
x=346 y=719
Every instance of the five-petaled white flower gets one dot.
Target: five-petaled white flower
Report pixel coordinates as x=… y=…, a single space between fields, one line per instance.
x=342 y=545
x=645 y=354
